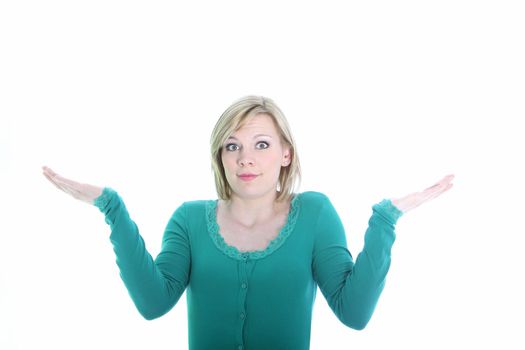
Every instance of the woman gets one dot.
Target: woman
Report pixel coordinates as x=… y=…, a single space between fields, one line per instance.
x=252 y=260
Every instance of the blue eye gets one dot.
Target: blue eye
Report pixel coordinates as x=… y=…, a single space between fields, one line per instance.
x=231 y=147
x=262 y=145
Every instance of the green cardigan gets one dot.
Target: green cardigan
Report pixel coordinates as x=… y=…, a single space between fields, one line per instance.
x=260 y=299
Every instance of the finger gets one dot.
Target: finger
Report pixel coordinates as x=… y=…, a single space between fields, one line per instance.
x=50 y=174
x=443 y=182
x=440 y=186
x=49 y=171
x=68 y=182
x=70 y=187
x=447 y=179
x=437 y=188
x=432 y=192
x=431 y=187
x=64 y=181
x=52 y=181
x=449 y=186
x=54 y=175
x=440 y=192
x=61 y=186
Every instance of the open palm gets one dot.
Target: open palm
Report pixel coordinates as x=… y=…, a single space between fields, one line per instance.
x=84 y=192
x=415 y=199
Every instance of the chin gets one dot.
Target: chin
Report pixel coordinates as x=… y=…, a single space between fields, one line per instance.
x=252 y=194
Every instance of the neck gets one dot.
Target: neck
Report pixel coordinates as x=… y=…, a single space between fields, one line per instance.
x=252 y=211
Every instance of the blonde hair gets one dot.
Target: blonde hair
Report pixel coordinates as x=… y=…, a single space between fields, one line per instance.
x=231 y=120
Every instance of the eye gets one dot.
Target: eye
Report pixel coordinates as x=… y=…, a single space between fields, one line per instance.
x=262 y=145
x=231 y=147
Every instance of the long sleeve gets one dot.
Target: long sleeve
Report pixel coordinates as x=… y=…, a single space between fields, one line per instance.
x=353 y=289
x=155 y=286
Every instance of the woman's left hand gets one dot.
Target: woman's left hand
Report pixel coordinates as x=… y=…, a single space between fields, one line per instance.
x=415 y=199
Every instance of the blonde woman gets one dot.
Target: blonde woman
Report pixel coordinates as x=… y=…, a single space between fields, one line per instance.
x=251 y=260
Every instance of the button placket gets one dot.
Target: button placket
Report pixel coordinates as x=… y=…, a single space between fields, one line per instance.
x=243 y=290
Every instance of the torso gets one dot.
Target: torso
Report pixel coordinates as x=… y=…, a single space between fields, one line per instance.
x=254 y=238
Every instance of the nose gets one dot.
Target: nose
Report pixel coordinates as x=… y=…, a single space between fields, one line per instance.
x=245 y=159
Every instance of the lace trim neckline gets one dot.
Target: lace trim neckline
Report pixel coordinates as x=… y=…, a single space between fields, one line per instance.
x=233 y=252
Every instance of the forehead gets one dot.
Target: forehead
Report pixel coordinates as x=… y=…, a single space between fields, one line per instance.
x=259 y=123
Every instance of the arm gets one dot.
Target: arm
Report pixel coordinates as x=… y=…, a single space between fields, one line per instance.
x=155 y=286
x=353 y=289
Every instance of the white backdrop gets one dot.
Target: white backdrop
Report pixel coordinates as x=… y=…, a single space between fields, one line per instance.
x=384 y=97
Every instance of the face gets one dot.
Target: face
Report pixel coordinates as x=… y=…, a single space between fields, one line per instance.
x=253 y=156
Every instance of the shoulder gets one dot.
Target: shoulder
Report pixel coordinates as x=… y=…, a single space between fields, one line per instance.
x=193 y=208
x=313 y=198
x=318 y=212
x=314 y=203
x=196 y=204
x=192 y=216
x=317 y=201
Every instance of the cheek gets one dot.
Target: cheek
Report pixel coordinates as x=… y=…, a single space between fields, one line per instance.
x=226 y=158
x=230 y=166
x=273 y=161
x=224 y=162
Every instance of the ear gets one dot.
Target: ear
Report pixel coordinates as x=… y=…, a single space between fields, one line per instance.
x=287 y=157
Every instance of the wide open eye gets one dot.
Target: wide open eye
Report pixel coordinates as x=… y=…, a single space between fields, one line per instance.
x=231 y=147
x=262 y=145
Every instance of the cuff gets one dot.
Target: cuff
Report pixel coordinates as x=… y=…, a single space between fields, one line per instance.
x=102 y=201
x=388 y=210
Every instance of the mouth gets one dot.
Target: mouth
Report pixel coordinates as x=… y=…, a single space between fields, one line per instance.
x=247 y=177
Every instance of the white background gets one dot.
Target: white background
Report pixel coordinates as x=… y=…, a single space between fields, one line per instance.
x=384 y=98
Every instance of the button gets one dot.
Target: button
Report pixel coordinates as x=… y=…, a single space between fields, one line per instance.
x=242 y=315
x=244 y=285
x=240 y=347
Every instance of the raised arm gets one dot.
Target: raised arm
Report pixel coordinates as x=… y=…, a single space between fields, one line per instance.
x=155 y=286
x=353 y=289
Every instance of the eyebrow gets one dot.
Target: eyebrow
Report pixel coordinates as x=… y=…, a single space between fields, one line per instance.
x=254 y=136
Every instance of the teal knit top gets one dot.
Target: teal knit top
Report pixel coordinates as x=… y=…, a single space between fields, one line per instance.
x=255 y=300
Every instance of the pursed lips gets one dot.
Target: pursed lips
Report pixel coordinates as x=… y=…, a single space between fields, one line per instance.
x=247 y=176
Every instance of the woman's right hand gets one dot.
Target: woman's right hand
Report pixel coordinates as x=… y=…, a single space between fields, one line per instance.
x=84 y=192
